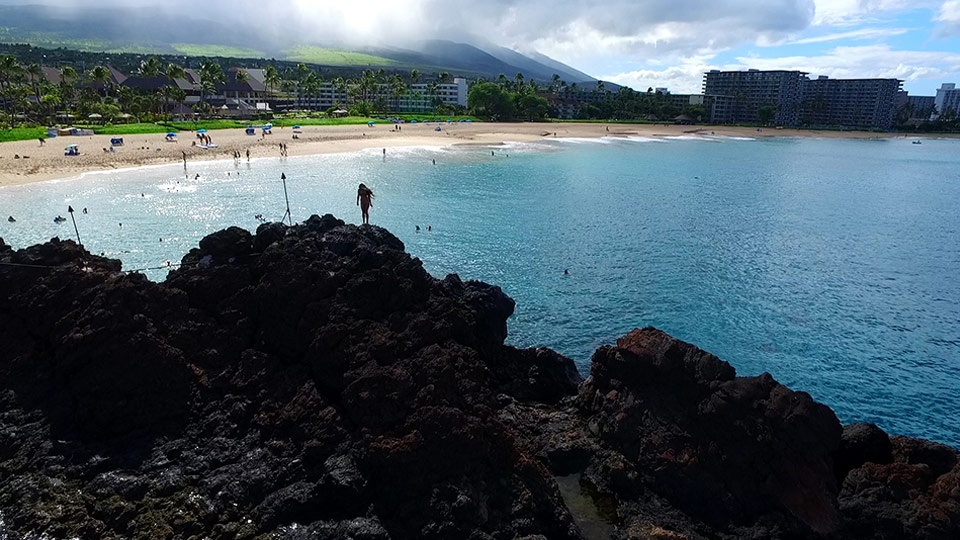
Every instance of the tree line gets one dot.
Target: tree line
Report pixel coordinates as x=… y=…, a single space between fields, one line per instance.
x=27 y=95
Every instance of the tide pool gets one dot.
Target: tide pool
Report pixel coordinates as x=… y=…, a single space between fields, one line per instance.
x=830 y=264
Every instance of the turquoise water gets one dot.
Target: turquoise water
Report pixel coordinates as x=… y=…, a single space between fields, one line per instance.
x=831 y=264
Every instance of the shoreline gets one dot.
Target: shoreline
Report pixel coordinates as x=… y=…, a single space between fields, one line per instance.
x=26 y=162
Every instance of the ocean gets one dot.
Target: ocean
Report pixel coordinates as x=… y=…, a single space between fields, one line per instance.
x=831 y=264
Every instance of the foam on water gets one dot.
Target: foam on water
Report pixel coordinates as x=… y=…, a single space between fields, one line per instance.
x=829 y=263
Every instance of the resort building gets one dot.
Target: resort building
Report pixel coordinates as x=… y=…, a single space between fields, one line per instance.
x=947 y=100
x=850 y=103
x=421 y=97
x=790 y=98
x=918 y=107
x=753 y=90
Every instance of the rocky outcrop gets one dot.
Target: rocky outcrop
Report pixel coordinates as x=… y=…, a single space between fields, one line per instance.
x=315 y=382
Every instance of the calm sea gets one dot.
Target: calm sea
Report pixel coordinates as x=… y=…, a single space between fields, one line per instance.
x=832 y=264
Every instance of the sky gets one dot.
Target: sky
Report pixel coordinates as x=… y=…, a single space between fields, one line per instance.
x=637 y=43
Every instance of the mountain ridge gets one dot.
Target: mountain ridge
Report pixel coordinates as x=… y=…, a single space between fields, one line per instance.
x=127 y=29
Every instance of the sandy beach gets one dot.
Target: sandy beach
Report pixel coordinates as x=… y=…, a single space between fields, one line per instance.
x=23 y=162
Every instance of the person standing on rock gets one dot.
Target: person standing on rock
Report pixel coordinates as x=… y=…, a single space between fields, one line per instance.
x=365 y=201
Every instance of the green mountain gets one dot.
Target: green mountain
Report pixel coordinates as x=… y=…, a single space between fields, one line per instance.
x=182 y=32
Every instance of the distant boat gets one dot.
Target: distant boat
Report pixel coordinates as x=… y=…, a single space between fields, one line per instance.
x=917 y=142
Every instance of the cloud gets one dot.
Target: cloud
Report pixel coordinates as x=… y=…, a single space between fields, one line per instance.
x=620 y=23
x=683 y=79
x=863 y=33
x=949 y=19
x=873 y=61
x=853 y=12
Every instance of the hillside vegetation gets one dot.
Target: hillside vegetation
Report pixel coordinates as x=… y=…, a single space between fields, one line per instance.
x=333 y=57
x=223 y=51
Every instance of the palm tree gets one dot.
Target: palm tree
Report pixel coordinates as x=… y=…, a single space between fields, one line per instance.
x=48 y=102
x=101 y=76
x=340 y=85
x=34 y=76
x=150 y=68
x=177 y=94
x=210 y=74
x=397 y=89
x=68 y=77
x=310 y=85
x=414 y=76
x=172 y=72
x=302 y=71
x=240 y=76
x=271 y=78
x=10 y=68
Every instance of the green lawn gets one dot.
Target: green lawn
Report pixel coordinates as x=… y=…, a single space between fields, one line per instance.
x=21 y=134
x=33 y=132
x=195 y=49
x=332 y=57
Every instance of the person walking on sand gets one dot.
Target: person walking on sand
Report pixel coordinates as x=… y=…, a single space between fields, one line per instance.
x=365 y=201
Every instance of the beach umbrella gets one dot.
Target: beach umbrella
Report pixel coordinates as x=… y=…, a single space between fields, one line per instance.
x=201 y=130
x=94 y=115
x=171 y=134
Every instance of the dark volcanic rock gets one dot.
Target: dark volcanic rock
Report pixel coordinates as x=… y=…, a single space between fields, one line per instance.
x=315 y=382
x=859 y=444
x=310 y=380
x=727 y=451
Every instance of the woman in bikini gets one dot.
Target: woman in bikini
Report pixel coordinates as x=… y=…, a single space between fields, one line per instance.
x=365 y=201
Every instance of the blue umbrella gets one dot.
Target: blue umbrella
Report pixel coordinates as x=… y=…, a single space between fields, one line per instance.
x=171 y=134
x=201 y=130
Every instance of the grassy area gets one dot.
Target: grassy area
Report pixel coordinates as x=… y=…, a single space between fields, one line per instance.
x=195 y=49
x=33 y=132
x=55 y=41
x=332 y=57
x=21 y=133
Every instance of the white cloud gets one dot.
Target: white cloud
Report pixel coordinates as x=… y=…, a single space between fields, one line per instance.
x=851 y=12
x=874 y=61
x=684 y=79
x=949 y=19
x=863 y=33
